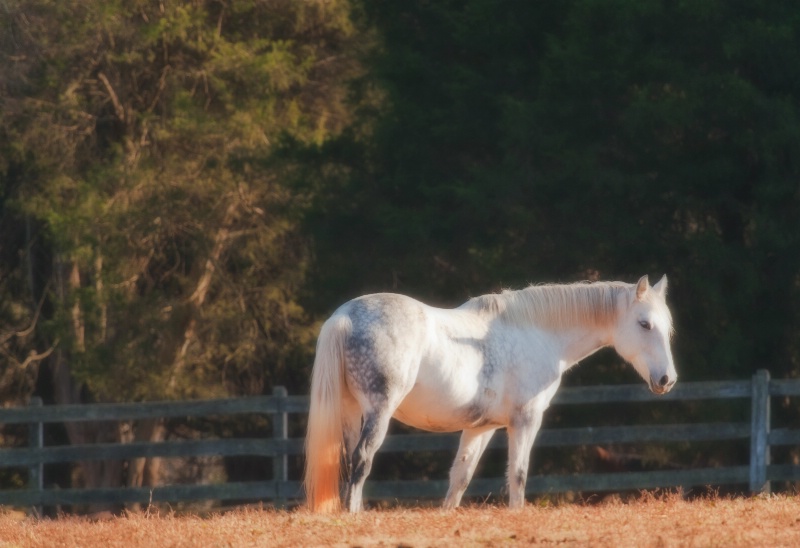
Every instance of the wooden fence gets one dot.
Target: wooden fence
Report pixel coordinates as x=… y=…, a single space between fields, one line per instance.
x=278 y=446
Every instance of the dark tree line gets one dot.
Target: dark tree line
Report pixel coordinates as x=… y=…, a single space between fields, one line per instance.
x=582 y=140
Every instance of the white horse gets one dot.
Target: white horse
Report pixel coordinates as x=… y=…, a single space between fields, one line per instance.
x=496 y=361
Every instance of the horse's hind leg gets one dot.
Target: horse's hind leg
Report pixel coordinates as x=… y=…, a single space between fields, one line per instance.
x=373 y=432
x=351 y=423
x=473 y=443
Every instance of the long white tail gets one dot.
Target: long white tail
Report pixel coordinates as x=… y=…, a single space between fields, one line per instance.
x=324 y=438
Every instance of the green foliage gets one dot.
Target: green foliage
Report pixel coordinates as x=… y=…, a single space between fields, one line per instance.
x=164 y=247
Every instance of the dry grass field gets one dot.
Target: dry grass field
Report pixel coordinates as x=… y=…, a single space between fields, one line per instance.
x=651 y=521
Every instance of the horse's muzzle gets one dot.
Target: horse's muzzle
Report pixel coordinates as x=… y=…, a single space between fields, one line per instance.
x=662 y=385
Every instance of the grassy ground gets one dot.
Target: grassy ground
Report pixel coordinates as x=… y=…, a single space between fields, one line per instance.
x=664 y=521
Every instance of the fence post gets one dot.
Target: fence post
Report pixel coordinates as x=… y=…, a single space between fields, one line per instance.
x=280 y=431
x=36 y=468
x=759 y=432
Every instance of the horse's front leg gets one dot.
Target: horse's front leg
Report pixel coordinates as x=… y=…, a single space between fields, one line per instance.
x=473 y=443
x=521 y=433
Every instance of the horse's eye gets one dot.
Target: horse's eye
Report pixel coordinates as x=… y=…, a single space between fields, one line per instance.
x=646 y=325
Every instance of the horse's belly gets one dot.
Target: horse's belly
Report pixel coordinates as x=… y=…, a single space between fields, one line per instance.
x=427 y=414
x=446 y=409
x=451 y=391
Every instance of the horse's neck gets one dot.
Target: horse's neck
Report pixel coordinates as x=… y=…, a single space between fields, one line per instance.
x=575 y=334
x=578 y=343
x=581 y=317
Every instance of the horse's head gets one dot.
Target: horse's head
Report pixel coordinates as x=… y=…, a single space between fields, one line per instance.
x=642 y=334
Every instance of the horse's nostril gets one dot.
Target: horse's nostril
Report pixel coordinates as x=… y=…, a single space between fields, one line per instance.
x=664 y=380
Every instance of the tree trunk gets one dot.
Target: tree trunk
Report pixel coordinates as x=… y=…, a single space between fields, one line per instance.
x=145 y=471
x=198 y=297
x=95 y=474
x=141 y=471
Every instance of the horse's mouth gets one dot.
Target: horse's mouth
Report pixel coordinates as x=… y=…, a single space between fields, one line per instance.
x=661 y=390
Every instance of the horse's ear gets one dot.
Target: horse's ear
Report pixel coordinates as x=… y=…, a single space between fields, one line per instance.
x=661 y=286
x=642 y=286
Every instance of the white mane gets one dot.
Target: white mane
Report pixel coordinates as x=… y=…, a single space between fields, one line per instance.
x=554 y=305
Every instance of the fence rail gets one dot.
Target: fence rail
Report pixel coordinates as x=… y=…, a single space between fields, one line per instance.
x=758 y=473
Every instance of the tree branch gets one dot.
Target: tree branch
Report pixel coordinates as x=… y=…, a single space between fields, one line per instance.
x=118 y=108
x=5 y=337
x=38 y=356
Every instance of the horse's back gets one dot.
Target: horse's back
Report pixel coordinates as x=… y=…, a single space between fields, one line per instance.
x=384 y=313
x=422 y=360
